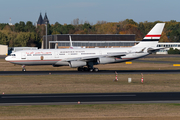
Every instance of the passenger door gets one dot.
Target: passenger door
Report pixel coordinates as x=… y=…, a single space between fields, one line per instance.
x=23 y=55
x=56 y=55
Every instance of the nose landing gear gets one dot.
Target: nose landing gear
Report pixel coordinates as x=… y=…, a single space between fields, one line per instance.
x=23 y=68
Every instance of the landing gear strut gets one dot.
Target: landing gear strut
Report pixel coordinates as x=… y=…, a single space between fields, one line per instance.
x=23 y=68
x=89 y=67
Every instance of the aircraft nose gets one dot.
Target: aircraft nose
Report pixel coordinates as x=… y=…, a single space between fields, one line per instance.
x=7 y=58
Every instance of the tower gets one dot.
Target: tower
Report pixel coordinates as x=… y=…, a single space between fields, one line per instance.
x=40 y=20
x=10 y=21
x=45 y=19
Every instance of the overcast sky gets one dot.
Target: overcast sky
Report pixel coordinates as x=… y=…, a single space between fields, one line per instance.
x=64 y=11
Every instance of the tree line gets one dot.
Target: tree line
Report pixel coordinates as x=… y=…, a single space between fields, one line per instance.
x=27 y=35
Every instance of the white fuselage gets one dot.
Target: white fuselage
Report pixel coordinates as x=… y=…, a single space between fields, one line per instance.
x=64 y=56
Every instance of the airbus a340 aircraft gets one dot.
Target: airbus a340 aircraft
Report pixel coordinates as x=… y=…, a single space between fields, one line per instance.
x=85 y=58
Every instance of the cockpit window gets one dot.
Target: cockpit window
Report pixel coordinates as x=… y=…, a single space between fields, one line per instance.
x=12 y=54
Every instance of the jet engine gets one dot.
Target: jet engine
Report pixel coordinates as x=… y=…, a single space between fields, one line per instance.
x=106 y=60
x=75 y=64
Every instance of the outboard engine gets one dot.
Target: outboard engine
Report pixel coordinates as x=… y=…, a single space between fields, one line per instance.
x=75 y=64
x=106 y=60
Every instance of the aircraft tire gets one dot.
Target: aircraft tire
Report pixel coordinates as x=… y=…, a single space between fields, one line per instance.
x=80 y=69
x=96 y=69
x=90 y=70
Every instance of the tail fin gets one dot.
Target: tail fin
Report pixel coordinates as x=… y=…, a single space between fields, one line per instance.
x=152 y=38
x=70 y=40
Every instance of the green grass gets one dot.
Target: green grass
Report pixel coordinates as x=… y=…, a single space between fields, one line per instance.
x=93 y=111
x=88 y=83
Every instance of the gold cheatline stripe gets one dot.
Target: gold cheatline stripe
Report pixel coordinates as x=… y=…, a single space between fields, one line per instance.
x=128 y=62
x=176 y=64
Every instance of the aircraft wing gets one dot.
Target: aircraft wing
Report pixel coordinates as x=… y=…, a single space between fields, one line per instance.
x=91 y=58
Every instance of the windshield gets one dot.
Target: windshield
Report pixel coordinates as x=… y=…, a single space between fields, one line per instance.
x=12 y=54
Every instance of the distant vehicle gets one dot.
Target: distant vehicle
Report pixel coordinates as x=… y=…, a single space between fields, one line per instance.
x=85 y=58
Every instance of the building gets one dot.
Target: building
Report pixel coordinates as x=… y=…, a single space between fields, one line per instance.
x=167 y=46
x=101 y=41
x=3 y=50
x=89 y=40
x=42 y=21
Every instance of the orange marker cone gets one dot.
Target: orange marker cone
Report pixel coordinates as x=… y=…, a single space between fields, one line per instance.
x=116 y=79
x=142 y=80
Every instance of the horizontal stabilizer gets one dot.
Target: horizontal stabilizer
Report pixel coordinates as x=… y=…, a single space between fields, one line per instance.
x=151 y=50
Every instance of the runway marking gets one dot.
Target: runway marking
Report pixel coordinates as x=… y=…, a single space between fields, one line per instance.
x=128 y=62
x=176 y=64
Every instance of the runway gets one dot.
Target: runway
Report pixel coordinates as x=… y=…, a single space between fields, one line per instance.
x=90 y=98
x=89 y=73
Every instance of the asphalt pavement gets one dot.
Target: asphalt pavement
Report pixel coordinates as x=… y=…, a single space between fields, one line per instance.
x=90 y=98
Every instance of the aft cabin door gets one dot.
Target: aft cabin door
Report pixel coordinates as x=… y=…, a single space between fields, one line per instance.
x=23 y=55
x=56 y=54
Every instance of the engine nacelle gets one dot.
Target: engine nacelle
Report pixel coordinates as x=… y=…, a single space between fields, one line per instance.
x=75 y=64
x=106 y=60
x=60 y=63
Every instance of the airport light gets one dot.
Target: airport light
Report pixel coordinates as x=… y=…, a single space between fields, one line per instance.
x=46 y=33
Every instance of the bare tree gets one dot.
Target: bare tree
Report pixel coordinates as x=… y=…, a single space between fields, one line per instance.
x=75 y=21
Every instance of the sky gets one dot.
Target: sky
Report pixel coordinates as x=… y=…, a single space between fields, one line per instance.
x=65 y=11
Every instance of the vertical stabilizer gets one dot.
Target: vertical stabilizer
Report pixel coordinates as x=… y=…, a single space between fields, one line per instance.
x=152 y=38
x=70 y=40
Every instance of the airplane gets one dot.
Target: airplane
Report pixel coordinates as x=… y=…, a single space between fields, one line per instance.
x=85 y=58
x=71 y=45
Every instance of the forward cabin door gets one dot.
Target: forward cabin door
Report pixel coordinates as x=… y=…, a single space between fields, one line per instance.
x=56 y=55
x=23 y=55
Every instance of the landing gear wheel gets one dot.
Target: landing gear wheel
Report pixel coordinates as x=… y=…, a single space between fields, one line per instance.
x=96 y=69
x=90 y=70
x=85 y=69
x=80 y=69
x=24 y=70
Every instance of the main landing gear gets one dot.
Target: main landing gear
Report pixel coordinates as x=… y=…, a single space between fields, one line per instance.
x=88 y=69
x=23 y=68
